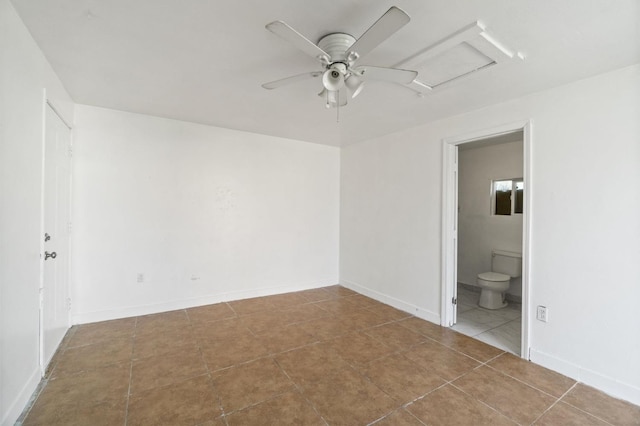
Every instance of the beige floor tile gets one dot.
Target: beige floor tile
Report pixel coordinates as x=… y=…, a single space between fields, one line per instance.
x=162 y=322
x=566 y=415
x=166 y=369
x=347 y=398
x=221 y=330
x=339 y=290
x=471 y=347
x=510 y=397
x=190 y=402
x=152 y=344
x=539 y=377
x=450 y=406
x=225 y=353
x=103 y=413
x=86 y=334
x=426 y=328
x=395 y=335
x=303 y=313
x=89 y=357
x=358 y=348
x=282 y=339
x=339 y=306
x=251 y=306
x=440 y=360
x=401 y=378
x=389 y=313
x=286 y=409
x=251 y=383
x=311 y=363
x=210 y=313
x=601 y=405
x=399 y=417
x=287 y=300
x=63 y=397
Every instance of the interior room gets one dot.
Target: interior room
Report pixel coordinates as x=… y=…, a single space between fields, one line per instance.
x=248 y=212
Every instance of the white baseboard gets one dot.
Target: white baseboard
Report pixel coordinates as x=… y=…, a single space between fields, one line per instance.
x=606 y=384
x=392 y=301
x=170 y=305
x=19 y=403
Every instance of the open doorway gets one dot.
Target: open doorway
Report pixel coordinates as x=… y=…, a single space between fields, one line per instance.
x=485 y=236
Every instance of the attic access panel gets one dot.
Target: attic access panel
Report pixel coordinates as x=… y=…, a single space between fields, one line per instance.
x=451 y=64
x=462 y=53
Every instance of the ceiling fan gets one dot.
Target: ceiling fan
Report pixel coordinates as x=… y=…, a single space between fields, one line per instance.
x=338 y=54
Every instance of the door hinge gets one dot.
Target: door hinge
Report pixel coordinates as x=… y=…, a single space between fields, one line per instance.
x=68 y=303
x=70 y=152
x=454 y=301
x=69 y=227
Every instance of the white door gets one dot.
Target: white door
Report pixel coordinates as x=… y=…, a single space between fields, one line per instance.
x=54 y=290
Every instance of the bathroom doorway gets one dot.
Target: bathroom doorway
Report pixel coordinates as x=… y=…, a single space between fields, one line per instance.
x=485 y=209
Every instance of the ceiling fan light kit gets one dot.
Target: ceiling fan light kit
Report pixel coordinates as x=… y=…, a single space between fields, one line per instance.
x=462 y=53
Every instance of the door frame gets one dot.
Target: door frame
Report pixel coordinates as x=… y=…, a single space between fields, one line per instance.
x=47 y=103
x=450 y=222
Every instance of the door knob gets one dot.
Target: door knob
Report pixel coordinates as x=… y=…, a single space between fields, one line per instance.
x=49 y=255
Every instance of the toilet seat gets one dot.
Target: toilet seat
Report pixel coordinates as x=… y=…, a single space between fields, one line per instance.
x=493 y=276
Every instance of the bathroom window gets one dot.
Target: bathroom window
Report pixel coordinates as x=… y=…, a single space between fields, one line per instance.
x=507 y=197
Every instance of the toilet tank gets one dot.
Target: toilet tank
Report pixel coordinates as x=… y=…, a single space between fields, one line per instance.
x=506 y=262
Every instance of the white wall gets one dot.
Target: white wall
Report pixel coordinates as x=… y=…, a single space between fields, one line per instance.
x=206 y=214
x=24 y=74
x=585 y=230
x=479 y=231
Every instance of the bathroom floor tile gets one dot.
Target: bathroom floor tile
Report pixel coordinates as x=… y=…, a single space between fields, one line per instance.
x=506 y=337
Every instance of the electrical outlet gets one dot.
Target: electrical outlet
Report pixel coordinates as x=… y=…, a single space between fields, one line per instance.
x=542 y=314
x=140 y=277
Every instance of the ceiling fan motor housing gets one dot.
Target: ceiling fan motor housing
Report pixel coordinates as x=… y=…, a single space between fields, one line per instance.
x=337 y=46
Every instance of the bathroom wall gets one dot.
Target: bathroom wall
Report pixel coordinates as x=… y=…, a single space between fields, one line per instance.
x=205 y=214
x=479 y=231
x=25 y=74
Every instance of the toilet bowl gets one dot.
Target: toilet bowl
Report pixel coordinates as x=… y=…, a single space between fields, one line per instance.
x=494 y=285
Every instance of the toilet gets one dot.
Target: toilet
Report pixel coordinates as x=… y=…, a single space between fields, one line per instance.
x=504 y=266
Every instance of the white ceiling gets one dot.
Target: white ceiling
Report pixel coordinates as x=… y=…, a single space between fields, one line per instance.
x=204 y=61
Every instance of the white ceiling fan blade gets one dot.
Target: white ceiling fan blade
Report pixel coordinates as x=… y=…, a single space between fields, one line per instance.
x=382 y=29
x=392 y=75
x=289 y=80
x=284 y=31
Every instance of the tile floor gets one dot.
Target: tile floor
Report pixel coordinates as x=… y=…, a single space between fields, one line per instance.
x=499 y=328
x=317 y=357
